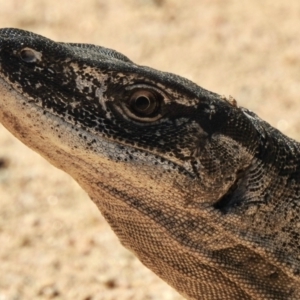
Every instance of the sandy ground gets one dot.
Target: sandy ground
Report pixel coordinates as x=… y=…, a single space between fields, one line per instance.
x=54 y=244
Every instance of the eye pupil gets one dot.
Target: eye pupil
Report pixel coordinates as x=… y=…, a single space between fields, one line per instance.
x=144 y=103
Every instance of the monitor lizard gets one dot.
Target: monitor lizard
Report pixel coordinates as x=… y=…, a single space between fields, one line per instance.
x=204 y=192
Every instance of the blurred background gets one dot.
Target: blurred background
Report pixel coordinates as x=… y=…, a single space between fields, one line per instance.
x=54 y=242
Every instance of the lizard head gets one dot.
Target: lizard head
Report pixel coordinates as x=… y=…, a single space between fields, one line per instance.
x=86 y=100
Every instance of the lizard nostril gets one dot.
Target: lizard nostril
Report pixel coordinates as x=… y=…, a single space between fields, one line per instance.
x=29 y=55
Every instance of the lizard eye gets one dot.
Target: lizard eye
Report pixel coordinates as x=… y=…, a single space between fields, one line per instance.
x=29 y=55
x=144 y=103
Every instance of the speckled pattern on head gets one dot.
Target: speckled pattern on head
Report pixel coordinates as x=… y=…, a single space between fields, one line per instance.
x=205 y=193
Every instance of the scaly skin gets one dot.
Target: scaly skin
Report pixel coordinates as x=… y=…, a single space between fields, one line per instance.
x=204 y=192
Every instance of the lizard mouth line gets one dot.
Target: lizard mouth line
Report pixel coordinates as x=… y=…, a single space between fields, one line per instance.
x=94 y=135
